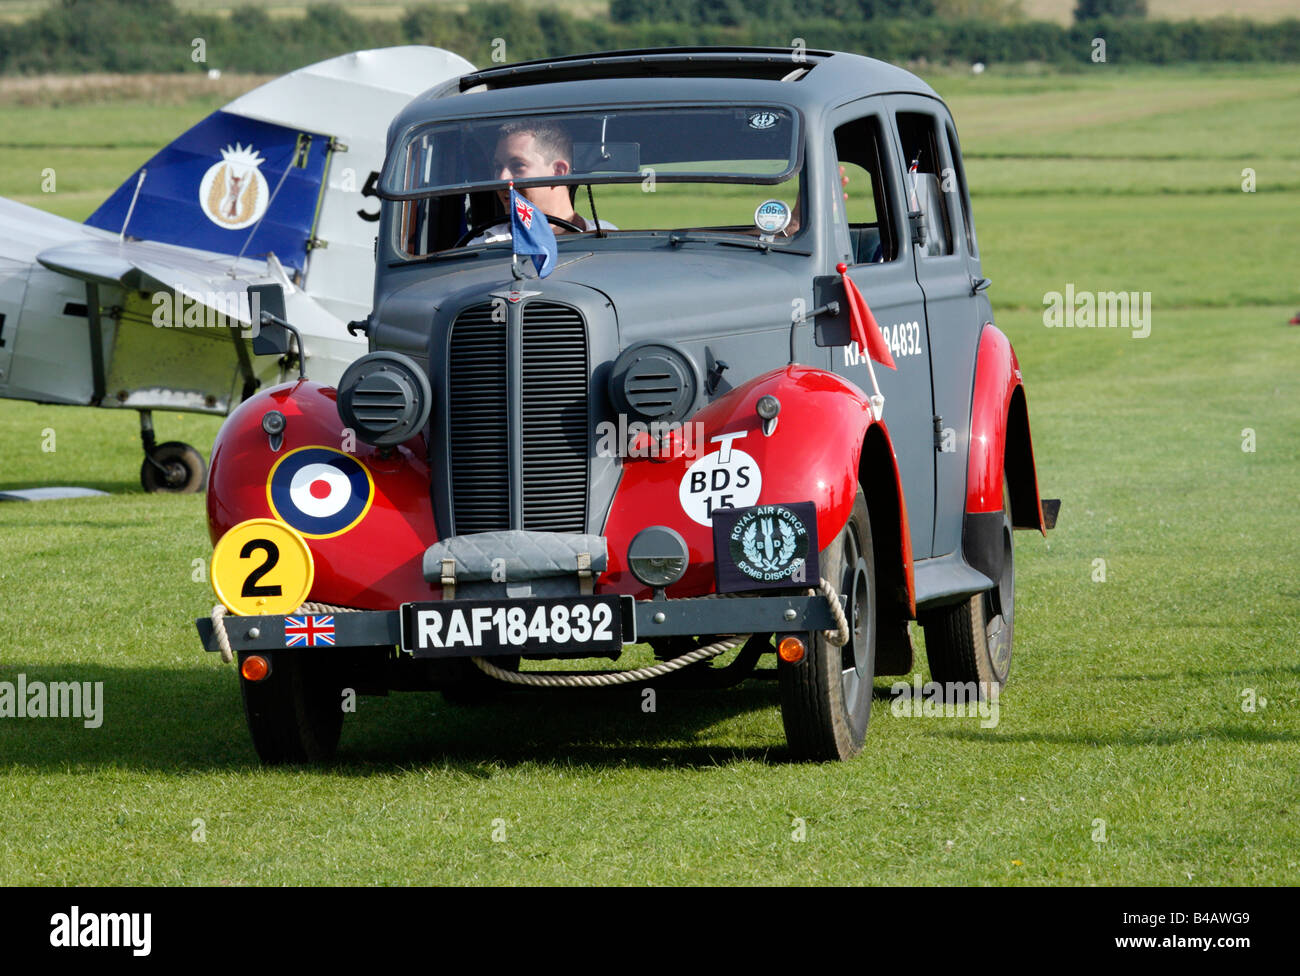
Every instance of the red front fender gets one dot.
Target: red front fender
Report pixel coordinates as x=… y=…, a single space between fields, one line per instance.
x=368 y=553
x=723 y=459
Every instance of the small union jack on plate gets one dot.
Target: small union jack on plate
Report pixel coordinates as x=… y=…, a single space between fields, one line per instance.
x=311 y=631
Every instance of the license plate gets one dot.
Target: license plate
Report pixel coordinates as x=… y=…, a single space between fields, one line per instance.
x=455 y=628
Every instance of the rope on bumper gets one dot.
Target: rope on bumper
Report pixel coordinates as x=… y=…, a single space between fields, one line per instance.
x=840 y=635
x=223 y=639
x=541 y=679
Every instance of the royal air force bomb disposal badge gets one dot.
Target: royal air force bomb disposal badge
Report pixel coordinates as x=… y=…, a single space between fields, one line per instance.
x=765 y=546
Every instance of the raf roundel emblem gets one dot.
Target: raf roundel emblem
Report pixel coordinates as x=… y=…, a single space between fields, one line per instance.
x=319 y=491
x=233 y=193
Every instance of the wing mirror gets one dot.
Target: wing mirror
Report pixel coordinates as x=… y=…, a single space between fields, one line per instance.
x=271 y=330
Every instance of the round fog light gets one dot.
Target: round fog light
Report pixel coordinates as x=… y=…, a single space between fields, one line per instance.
x=658 y=556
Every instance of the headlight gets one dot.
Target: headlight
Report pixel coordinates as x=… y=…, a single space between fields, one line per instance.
x=384 y=397
x=654 y=381
x=658 y=556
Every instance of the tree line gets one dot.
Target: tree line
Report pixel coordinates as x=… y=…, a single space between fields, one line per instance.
x=155 y=35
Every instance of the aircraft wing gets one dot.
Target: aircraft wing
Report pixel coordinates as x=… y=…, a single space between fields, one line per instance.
x=144 y=306
x=165 y=312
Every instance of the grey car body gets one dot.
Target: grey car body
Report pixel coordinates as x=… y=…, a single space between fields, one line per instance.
x=522 y=374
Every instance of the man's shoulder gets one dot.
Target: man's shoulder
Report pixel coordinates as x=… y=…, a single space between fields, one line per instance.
x=493 y=235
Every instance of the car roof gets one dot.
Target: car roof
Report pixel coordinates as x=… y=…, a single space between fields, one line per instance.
x=807 y=79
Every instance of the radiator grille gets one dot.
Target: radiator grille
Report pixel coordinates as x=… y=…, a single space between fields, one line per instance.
x=477 y=415
x=554 y=413
x=555 y=418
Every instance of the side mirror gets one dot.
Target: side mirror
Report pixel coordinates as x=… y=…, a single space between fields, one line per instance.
x=831 y=328
x=270 y=337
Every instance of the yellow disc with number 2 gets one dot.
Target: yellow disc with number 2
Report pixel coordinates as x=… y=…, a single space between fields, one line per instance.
x=262 y=567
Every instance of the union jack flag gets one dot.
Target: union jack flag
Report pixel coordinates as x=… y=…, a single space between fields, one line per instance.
x=525 y=211
x=309 y=631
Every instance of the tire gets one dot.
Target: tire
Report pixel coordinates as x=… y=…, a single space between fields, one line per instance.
x=295 y=713
x=826 y=697
x=184 y=472
x=971 y=641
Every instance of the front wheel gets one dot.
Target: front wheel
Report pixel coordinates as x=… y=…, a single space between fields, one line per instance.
x=826 y=697
x=295 y=713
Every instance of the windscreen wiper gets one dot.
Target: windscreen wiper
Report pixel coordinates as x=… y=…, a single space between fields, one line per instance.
x=753 y=243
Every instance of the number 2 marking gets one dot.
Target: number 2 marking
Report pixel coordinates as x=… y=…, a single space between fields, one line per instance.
x=602 y=616
x=252 y=585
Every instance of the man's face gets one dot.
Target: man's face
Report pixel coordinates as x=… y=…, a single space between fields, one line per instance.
x=517 y=158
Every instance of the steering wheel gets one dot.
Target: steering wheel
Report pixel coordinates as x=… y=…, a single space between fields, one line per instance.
x=479 y=228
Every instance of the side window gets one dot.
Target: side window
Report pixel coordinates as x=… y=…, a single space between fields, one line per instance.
x=859 y=148
x=963 y=197
x=919 y=133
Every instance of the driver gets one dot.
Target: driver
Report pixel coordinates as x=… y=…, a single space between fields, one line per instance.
x=527 y=149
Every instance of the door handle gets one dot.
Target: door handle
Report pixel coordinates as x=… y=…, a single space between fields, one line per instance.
x=978 y=285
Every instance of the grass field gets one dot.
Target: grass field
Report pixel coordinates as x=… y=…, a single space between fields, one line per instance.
x=1123 y=753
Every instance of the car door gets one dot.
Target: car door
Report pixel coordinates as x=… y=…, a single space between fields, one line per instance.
x=871 y=237
x=947 y=272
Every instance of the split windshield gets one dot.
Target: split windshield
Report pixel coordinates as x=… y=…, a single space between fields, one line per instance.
x=757 y=144
x=693 y=168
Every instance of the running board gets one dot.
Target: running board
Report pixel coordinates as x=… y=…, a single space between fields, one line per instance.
x=947 y=579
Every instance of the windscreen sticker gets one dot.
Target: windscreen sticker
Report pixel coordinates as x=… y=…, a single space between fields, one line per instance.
x=727 y=478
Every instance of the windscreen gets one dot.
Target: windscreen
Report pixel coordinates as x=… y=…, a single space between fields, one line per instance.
x=737 y=144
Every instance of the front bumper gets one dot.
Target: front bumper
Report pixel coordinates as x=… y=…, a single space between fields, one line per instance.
x=649 y=619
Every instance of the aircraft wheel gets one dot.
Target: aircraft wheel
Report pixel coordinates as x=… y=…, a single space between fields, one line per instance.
x=174 y=467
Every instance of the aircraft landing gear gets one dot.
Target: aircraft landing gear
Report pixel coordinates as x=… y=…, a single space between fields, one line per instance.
x=172 y=466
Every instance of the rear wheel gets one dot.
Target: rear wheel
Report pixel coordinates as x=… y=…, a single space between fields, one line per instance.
x=971 y=641
x=295 y=713
x=826 y=697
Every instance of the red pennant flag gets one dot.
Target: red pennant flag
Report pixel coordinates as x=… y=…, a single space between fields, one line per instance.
x=866 y=332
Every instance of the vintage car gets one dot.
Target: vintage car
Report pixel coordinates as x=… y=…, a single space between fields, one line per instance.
x=675 y=438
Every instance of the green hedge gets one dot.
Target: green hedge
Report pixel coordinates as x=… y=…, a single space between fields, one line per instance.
x=733 y=13
x=153 y=35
